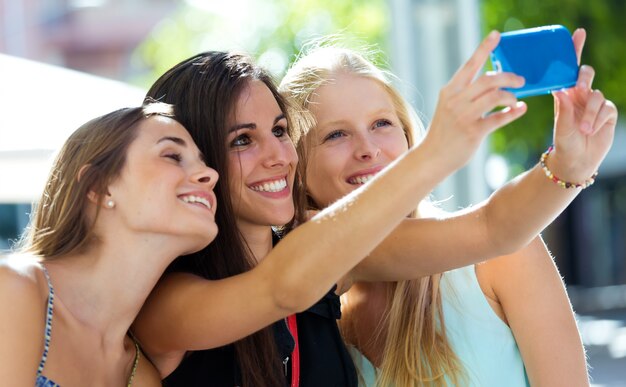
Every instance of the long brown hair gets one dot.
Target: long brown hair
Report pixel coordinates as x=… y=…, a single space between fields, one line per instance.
x=91 y=158
x=204 y=90
x=416 y=350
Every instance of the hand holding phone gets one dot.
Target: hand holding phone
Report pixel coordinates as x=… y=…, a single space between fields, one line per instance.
x=544 y=56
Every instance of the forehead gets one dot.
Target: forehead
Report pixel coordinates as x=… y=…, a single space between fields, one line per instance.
x=349 y=94
x=155 y=127
x=255 y=99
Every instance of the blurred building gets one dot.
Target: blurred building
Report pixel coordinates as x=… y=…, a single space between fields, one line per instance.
x=94 y=36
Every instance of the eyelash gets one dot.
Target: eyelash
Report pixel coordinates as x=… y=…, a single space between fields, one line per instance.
x=383 y=121
x=377 y=124
x=235 y=141
x=175 y=156
x=283 y=130
x=334 y=135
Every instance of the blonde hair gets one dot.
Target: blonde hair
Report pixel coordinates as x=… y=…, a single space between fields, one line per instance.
x=90 y=159
x=416 y=350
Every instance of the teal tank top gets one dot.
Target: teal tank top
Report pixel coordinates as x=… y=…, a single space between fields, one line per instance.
x=481 y=340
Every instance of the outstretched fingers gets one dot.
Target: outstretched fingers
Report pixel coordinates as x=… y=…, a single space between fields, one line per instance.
x=498 y=119
x=592 y=110
x=586 y=74
x=489 y=83
x=579 y=36
x=607 y=117
x=474 y=64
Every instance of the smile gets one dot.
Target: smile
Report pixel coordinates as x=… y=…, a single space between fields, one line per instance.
x=270 y=186
x=361 y=179
x=197 y=199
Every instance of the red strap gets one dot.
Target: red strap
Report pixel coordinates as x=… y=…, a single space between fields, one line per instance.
x=295 y=356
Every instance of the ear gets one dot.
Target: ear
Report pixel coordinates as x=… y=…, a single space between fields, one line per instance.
x=92 y=195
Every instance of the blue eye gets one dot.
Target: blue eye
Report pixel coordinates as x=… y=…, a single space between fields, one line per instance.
x=381 y=123
x=279 y=131
x=335 y=134
x=241 y=140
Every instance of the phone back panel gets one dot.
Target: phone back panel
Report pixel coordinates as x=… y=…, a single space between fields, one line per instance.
x=544 y=56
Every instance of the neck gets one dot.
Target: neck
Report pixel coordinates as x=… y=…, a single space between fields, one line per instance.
x=362 y=313
x=104 y=287
x=258 y=238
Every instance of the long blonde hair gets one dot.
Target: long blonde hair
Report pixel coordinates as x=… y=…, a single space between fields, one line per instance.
x=416 y=350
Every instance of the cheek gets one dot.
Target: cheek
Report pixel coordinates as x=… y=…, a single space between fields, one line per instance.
x=325 y=166
x=292 y=154
x=394 y=145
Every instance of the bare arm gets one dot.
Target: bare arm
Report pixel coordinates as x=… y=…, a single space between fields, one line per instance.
x=190 y=313
x=532 y=295
x=517 y=212
x=22 y=321
x=186 y=312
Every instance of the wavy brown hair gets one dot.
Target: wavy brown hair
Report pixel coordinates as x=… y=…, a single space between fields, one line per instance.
x=416 y=351
x=90 y=159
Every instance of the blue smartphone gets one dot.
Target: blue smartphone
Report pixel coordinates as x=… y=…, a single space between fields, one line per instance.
x=544 y=56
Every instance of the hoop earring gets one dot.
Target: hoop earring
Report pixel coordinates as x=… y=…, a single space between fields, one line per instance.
x=110 y=204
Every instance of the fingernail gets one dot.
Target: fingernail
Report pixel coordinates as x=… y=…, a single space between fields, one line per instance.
x=492 y=34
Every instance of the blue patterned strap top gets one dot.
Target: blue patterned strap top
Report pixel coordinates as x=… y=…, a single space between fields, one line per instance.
x=43 y=381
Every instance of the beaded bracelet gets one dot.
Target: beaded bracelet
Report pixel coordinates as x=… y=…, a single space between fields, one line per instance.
x=559 y=182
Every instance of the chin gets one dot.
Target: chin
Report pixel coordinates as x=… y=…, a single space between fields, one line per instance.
x=206 y=238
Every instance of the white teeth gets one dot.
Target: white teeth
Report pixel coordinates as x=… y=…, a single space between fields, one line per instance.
x=273 y=186
x=197 y=199
x=361 y=179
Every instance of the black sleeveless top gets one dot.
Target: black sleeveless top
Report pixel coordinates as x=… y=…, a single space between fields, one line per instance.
x=324 y=359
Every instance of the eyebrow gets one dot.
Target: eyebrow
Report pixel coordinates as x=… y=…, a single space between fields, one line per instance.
x=252 y=126
x=176 y=140
x=340 y=122
x=181 y=142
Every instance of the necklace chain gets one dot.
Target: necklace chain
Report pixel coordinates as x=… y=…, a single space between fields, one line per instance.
x=135 y=363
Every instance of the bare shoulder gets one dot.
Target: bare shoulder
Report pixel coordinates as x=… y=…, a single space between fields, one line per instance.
x=525 y=261
x=22 y=318
x=23 y=274
x=513 y=273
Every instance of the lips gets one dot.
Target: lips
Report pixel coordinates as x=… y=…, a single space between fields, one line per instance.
x=202 y=198
x=363 y=176
x=360 y=179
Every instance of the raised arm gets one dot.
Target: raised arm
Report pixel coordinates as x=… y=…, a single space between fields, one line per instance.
x=529 y=289
x=514 y=214
x=189 y=313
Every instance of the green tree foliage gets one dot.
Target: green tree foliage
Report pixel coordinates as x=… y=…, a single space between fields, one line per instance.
x=605 y=50
x=271 y=30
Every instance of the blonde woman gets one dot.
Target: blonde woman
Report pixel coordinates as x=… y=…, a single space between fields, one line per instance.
x=466 y=328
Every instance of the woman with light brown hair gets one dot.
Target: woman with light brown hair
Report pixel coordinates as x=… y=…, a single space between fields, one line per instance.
x=127 y=194
x=464 y=329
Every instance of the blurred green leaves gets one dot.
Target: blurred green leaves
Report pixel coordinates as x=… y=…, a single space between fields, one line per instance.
x=271 y=30
x=275 y=30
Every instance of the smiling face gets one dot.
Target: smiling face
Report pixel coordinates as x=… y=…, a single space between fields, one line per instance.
x=358 y=133
x=262 y=160
x=165 y=186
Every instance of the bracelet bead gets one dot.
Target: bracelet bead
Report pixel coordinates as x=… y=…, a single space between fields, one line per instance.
x=559 y=182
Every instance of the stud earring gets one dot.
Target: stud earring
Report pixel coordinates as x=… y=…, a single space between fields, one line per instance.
x=110 y=204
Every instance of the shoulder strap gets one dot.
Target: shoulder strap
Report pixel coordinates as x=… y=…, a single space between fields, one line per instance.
x=48 y=328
